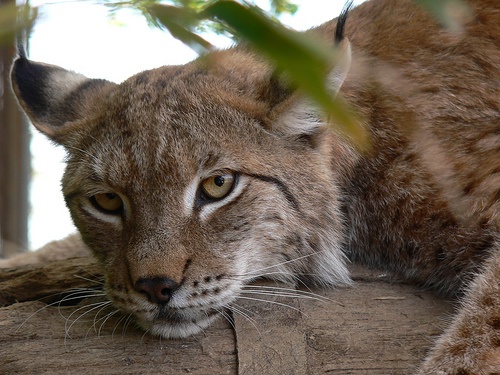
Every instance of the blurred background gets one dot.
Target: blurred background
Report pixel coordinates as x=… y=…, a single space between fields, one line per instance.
x=89 y=38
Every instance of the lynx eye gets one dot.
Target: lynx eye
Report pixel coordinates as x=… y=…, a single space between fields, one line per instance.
x=110 y=203
x=217 y=187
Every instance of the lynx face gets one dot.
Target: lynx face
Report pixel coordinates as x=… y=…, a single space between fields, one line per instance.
x=184 y=199
x=188 y=182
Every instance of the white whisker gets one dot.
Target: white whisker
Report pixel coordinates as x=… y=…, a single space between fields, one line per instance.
x=106 y=318
x=240 y=311
x=288 y=292
x=228 y=317
x=92 y=306
x=283 y=276
x=129 y=320
x=69 y=297
x=79 y=295
x=96 y=281
x=117 y=324
x=144 y=335
x=250 y=274
x=279 y=294
x=271 y=302
x=96 y=321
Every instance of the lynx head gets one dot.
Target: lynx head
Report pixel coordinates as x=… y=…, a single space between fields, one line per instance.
x=187 y=182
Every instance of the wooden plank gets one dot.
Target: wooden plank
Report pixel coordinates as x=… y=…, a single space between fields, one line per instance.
x=375 y=327
x=269 y=334
x=50 y=279
x=66 y=340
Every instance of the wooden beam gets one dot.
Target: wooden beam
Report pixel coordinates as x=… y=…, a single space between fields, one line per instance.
x=375 y=327
x=14 y=161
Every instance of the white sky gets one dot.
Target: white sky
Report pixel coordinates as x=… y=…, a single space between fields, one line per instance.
x=80 y=36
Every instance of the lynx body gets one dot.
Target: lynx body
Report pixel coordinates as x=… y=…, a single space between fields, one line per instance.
x=187 y=182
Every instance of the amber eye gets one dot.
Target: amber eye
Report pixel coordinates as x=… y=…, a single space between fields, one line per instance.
x=107 y=202
x=217 y=187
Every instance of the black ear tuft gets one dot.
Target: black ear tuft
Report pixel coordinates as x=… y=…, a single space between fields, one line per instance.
x=21 y=48
x=339 y=31
x=21 y=44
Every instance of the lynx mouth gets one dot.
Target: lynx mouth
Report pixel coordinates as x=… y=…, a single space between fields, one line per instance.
x=172 y=324
x=185 y=313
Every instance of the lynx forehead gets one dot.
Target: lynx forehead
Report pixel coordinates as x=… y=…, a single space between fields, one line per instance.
x=188 y=182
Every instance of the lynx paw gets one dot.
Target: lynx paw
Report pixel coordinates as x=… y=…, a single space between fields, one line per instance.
x=470 y=362
x=471 y=345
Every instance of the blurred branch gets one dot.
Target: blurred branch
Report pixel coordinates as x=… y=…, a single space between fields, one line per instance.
x=180 y=23
x=185 y=14
x=14 y=19
x=14 y=138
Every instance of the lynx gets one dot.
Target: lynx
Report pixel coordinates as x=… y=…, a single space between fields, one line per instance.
x=188 y=182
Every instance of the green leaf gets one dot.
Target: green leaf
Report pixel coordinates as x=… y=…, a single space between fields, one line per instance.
x=304 y=61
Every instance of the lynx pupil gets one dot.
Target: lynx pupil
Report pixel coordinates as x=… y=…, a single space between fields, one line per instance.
x=219 y=181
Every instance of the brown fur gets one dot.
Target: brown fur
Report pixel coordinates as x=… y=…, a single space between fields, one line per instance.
x=423 y=202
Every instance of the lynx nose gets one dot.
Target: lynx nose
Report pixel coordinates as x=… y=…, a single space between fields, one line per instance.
x=157 y=289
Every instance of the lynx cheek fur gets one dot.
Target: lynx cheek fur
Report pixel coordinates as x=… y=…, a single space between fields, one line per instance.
x=187 y=182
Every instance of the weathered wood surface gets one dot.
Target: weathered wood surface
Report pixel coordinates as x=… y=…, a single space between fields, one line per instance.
x=47 y=280
x=372 y=328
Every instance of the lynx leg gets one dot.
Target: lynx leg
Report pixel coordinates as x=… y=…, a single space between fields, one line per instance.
x=69 y=247
x=471 y=345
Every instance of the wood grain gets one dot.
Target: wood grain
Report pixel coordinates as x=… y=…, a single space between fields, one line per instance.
x=374 y=327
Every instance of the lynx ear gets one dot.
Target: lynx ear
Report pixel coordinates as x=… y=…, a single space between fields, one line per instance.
x=296 y=115
x=53 y=97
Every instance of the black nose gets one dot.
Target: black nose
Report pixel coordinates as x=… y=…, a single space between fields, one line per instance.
x=158 y=289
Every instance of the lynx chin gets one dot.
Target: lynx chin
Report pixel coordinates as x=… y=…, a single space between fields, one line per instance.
x=188 y=182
